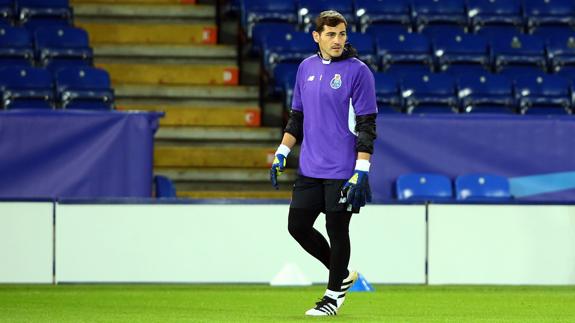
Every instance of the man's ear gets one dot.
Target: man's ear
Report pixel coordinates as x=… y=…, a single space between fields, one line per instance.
x=315 y=36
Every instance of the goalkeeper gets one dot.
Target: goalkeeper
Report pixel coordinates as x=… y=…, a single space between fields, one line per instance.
x=333 y=116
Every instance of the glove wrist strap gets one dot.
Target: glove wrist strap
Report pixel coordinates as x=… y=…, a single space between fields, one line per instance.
x=362 y=165
x=283 y=150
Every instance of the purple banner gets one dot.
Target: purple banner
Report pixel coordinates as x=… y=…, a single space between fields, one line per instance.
x=515 y=146
x=71 y=154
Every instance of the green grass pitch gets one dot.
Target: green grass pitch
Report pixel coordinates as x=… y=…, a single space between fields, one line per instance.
x=260 y=303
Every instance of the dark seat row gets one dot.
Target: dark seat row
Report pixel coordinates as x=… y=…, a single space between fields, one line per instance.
x=415 y=14
x=68 y=88
x=438 y=187
x=50 y=46
x=35 y=13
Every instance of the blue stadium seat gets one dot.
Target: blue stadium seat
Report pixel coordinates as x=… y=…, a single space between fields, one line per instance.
x=434 y=32
x=491 y=32
x=365 y=46
x=263 y=29
x=438 y=11
x=283 y=76
x=461 y=49
x=429 y=93
x=543 y=94
x=494 y=12
x=387 y=93
x=16 y=47
x=27 y=88
x=309 y=9
x=561 y=49
x=164 y=187
x=485 y=93
x=287 y=47
x=86 y=88
x=40 y=13
x=377 y=29
x=518 y=51
x=289 y=80
x=255 y=11
x=482 y=187
x=403 y=49
x=549 y=12
x=423 y=187
x=61 y=46
x=6 y=11
x=374 y=12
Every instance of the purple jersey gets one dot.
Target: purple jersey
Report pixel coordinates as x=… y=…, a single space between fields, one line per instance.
x=330 y=95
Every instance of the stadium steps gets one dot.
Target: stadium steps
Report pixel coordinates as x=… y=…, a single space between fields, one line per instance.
x=163 y=55
x=178 y=114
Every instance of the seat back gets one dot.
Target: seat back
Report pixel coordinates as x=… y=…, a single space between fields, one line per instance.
x=27 y=87
x=494 y=12
x=482 y=187
x=554 y=12
x=518 y=50
x=287 y=47
x=476 y=91
x=309 y=9
x=403 y=48
x=542 y=91
x=423 y=187
x=461 y=49
x=438 y=11
x=84 y=88
x=371 y=12
x=61 y=44
x=365 y=46
x=16 y=47
x=254 y=11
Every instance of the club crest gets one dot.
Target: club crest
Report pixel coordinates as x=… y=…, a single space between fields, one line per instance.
x=335 y=82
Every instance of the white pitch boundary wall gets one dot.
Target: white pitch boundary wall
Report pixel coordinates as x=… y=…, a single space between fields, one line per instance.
x=225 y=243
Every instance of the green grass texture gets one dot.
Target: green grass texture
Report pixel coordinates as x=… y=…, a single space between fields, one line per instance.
x=261 y=303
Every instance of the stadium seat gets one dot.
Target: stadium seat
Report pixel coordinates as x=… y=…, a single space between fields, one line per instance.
x=377 y=29
x=543 y=94
x=461 y=49
x=256 y=11
x=365 y=46
x=309 y=9
x=434 y=32
x=427 y=12
x=374 y=12
x=86 y=88
x=27 y=88
x=429 y=93
x=403 y=49
x=283 y=76
x=518 y=51
x=263 y=29
x=164 y=187
x=61 y=46
x=40 y=13
x=561 y=49
x=16 y=47
x=549 y=12
x=423 y=187
x=494 y=12
x=288 y=47
x=6 y=11
x=387 y=93
x=482 y=187
x=485 y=93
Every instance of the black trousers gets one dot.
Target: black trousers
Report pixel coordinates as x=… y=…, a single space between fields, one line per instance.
x=311 y=197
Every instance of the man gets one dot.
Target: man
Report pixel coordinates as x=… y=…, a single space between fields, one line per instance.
x=333 y=115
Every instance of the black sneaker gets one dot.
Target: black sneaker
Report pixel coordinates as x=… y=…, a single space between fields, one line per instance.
x=326 y=306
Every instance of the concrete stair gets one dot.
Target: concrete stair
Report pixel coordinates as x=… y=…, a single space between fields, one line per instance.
x=163 y=55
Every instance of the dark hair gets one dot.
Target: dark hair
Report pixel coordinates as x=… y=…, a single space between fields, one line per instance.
x=330 y=18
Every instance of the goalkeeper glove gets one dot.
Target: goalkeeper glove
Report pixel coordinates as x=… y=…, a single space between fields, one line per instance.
x=356 y=191
x=279 y=164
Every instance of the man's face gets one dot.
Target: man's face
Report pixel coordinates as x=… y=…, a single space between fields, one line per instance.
x=331 y=40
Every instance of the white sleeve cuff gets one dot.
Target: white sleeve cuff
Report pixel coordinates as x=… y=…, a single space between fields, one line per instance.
x=362 y=165
x=283 y=150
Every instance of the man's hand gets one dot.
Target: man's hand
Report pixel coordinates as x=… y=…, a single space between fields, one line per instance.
x=279 y=164
x=277 y=169
x=356 y=192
